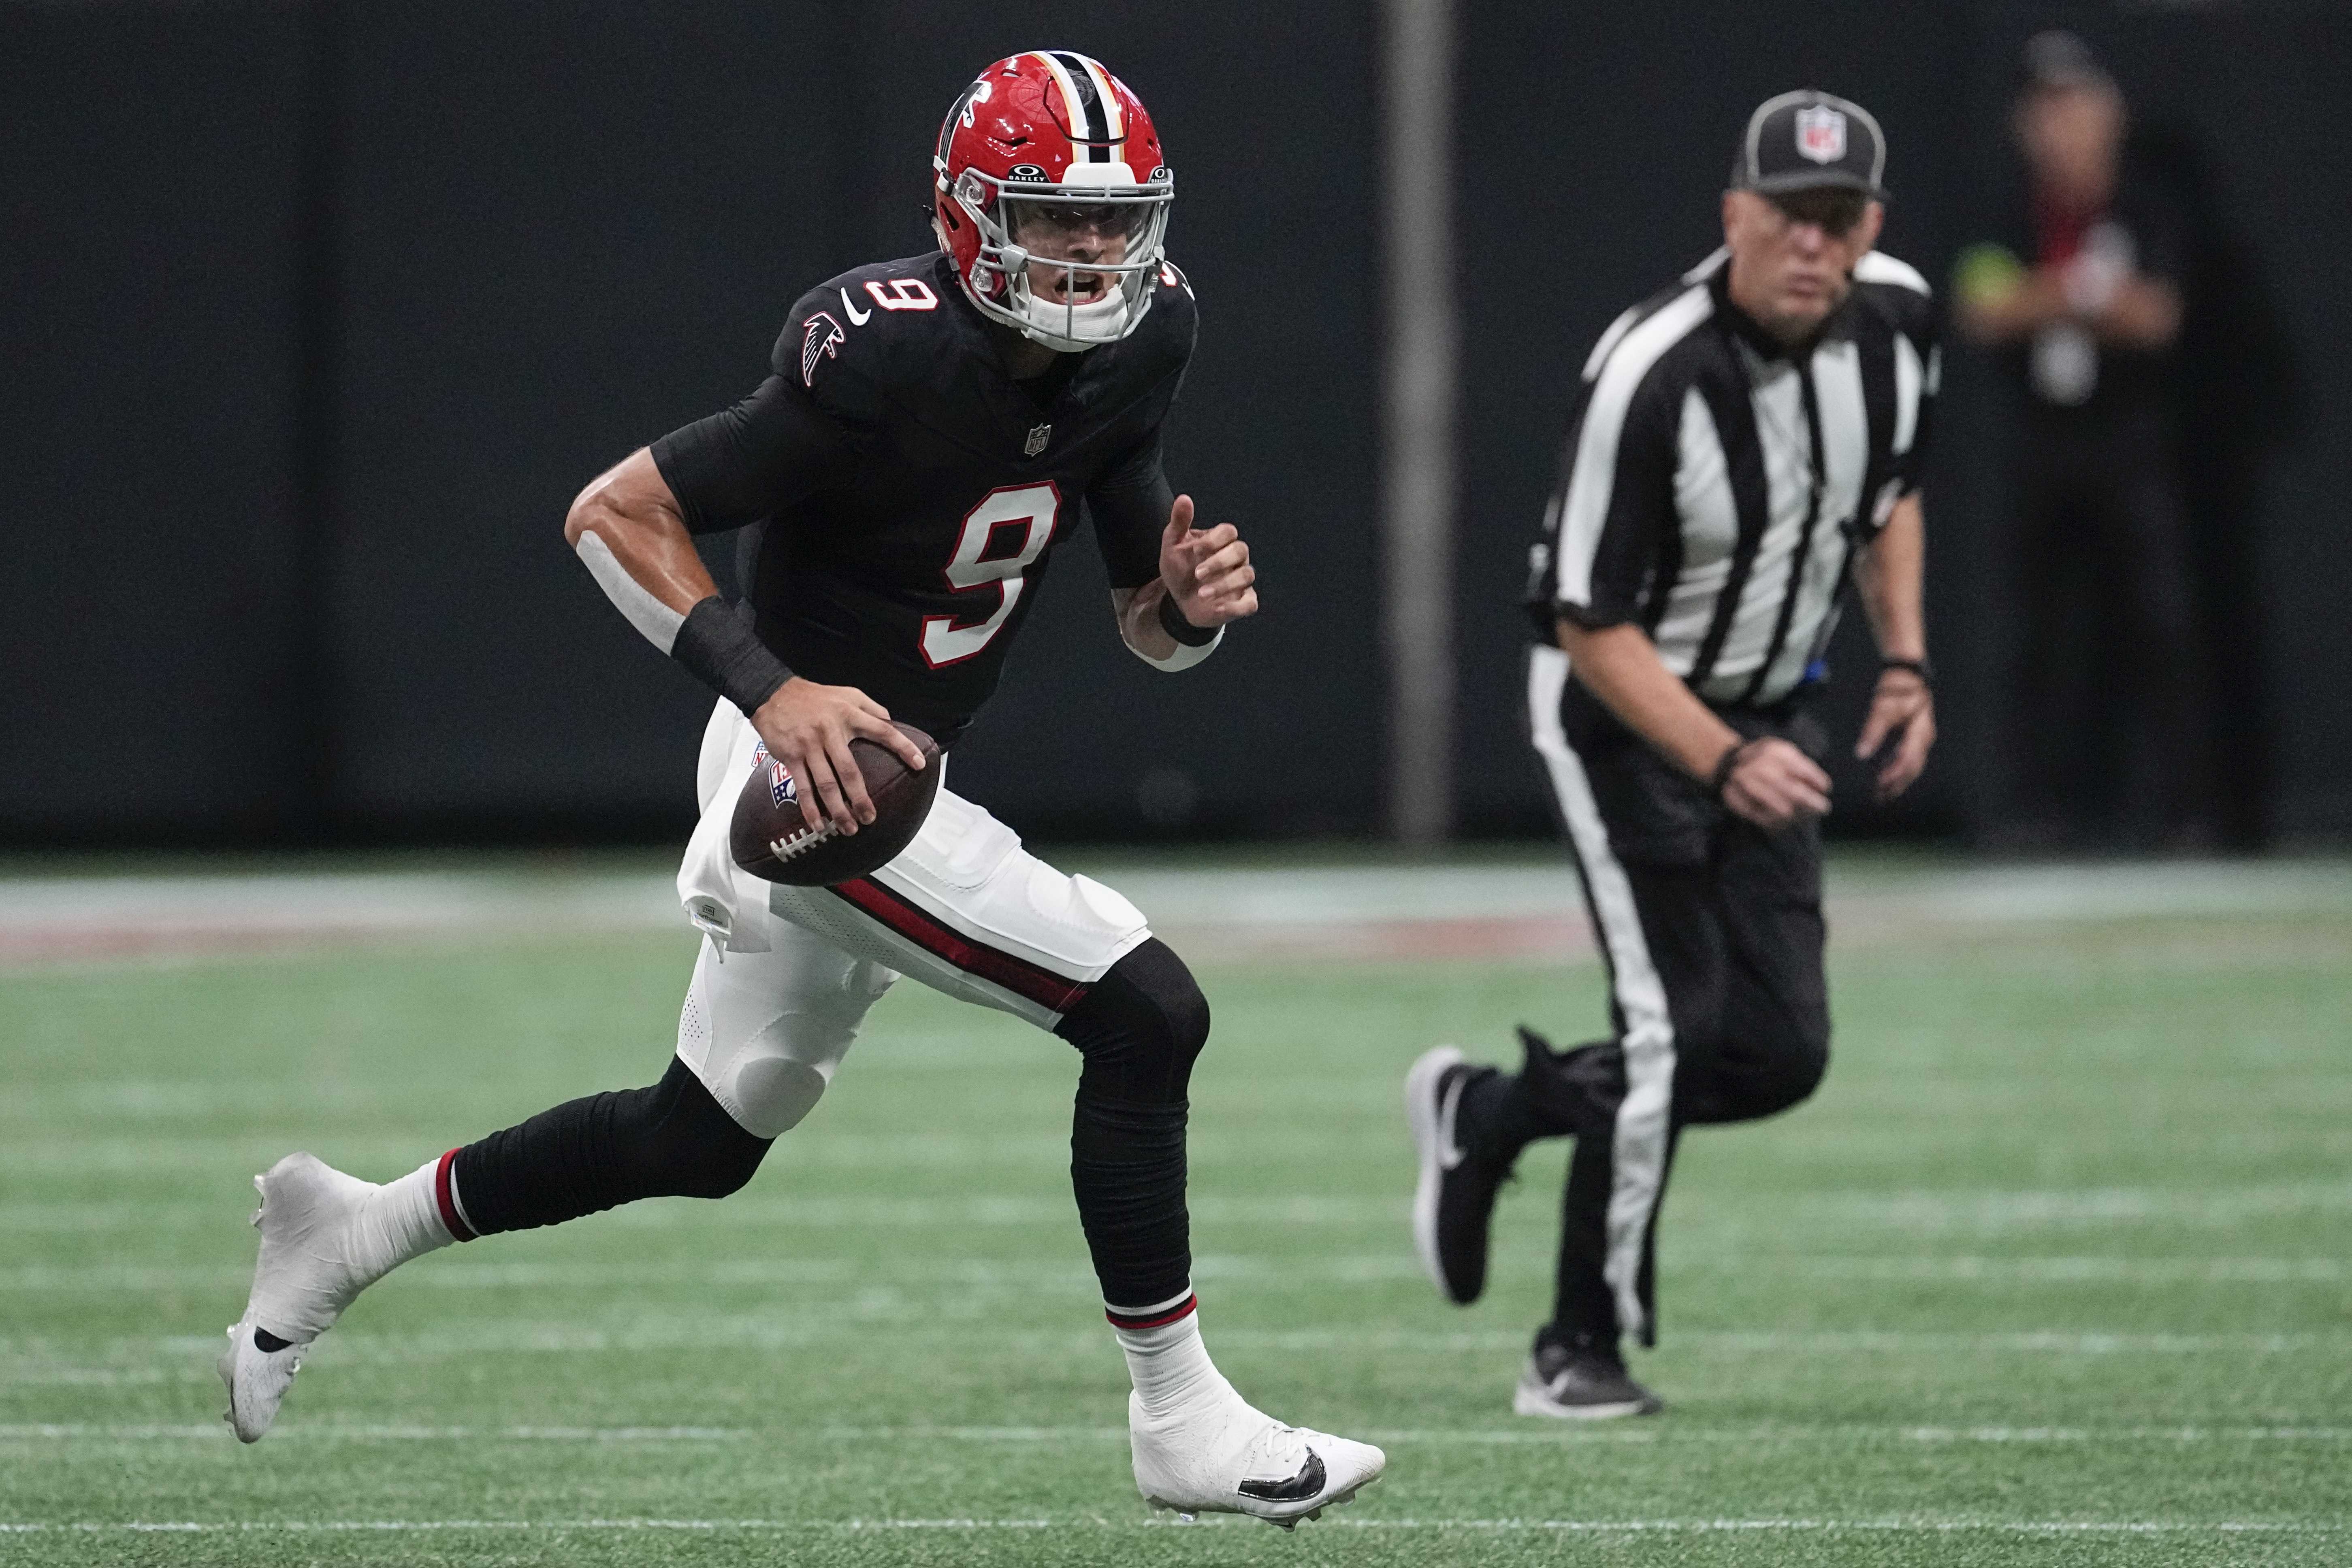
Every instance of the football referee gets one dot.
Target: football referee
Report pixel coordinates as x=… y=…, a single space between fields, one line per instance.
x=1746 y=441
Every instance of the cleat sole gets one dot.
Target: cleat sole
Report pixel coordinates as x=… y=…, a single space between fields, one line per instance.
x=1420 y=1098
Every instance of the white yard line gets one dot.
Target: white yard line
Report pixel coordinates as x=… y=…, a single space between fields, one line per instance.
x=961 y=1276
x=1549 y=1433
x=1996 y=1211
x=1919 y=1213
x=2049 y=1270
x=187 y=1359
x=1581 y=1526
x=1972 y=1211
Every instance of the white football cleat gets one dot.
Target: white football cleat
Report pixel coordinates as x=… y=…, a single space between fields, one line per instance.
x=257 y=1380
x=301 y=1284
x=1238 y=1459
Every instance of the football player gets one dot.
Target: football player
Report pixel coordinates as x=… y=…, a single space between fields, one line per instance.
x=929 y=430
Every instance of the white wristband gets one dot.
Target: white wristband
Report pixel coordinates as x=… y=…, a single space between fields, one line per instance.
x=1185 y=656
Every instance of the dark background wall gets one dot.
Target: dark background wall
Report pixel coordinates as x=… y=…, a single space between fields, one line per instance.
x=150 y=362
x=320 y=314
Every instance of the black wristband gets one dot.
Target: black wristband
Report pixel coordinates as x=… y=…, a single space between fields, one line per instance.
x=1727 y=765
x=1918 y=667
x=1172 y=622
x=718 y=645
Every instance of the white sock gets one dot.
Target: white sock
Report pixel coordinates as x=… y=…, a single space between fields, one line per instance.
x=399 y=1220
x=1169 y=1365
x=336 y=1235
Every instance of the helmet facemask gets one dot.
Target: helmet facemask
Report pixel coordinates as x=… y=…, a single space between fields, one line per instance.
x=1069 y=264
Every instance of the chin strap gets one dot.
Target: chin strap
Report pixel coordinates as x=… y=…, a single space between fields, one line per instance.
x=1040 y=320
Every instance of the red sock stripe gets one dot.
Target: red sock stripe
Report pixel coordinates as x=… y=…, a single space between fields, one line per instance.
x=450 y=1218
x=1177 y=1313
x=1022 y=978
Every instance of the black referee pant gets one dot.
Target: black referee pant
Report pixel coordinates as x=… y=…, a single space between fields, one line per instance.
x=1712 y=931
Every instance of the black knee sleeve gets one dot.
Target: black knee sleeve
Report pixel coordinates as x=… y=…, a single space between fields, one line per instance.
x=1140 y=1029
x=1127 y=1171
x=671 y=1140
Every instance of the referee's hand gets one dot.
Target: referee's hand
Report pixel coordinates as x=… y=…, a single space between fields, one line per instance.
x=1775 y=786
x=1900 y=729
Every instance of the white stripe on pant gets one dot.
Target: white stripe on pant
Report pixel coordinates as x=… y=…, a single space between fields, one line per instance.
x=1638 y=1152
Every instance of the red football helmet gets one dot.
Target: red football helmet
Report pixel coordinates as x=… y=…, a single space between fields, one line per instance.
x=1047 y=159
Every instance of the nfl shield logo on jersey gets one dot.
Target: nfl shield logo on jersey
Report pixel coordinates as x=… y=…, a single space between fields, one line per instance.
x=1821 y=133
x=1038 y=439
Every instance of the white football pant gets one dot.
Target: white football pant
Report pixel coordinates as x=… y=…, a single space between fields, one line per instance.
x=786 y=974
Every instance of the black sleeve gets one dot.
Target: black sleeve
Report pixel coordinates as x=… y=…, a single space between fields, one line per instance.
x=743 y=464
x=1612 y=510
x=1129 y=507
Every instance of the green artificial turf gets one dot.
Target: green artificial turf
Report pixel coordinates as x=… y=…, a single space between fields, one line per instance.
x=2054 y=1270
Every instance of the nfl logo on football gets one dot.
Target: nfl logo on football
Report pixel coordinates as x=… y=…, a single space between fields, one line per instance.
x=1820 y=134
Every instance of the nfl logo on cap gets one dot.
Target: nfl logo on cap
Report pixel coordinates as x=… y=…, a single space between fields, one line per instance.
x=1821 y=133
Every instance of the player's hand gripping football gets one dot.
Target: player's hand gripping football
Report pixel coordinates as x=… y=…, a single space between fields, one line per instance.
x=1901 y=723
x=808 y=728
x=1207 y=571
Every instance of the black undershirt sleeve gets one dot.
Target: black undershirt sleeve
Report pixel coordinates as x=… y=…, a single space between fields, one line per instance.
x=741 y=464
x=1129 y=507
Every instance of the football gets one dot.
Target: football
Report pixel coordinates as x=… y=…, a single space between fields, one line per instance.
x=772 y=841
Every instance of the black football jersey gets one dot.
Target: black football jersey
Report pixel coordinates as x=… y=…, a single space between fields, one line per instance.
x=910 y=493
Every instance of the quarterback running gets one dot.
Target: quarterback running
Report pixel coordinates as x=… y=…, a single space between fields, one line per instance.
x=929 y=430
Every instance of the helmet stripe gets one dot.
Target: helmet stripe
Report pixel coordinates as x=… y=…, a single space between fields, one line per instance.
x=1114 y=128
x=1072 y=114
x=1085 y=130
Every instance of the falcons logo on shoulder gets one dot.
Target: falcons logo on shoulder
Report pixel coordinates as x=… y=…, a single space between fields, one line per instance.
x=822 y=338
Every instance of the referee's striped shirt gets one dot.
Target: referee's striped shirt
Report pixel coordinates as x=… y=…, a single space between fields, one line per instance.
x=1714 y=487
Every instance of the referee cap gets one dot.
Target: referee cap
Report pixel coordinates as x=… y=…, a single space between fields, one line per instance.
x=1807 y=139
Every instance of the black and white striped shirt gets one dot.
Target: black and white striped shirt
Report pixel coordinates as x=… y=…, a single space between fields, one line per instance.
x=1714 y=488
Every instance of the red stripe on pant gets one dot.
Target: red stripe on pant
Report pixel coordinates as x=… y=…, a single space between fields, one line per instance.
x=1056 y=993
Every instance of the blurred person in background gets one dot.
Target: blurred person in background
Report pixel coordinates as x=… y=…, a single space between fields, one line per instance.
x=2110 y=690
x=1747 y=442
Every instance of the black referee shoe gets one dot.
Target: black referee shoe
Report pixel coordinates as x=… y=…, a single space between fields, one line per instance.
x=1580 y=1383
x=1455 y=1198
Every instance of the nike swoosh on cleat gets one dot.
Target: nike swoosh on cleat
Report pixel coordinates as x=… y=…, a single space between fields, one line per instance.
x=856 y=317
x=1449 y=1153
x=1298 y=1489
